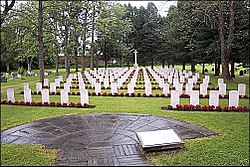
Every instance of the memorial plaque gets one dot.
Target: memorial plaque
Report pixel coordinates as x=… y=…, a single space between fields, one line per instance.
x=233 y=98
x=159 y=140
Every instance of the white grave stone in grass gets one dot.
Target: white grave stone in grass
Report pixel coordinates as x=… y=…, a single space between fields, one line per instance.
x=84 y=96
x=148 y=89
x=113 y=88
x=222 y=89
x=161 y=82
x=214 y=98
x=190 y=81
x=233 y=98
x=25 y=85
x=66 y=86
x=45 y=95
x=27 y=95
x=242 y=89
x=207 y=77
x=64 y=96
x=182 y=79
x=195 y=79
x=60 y=78
x=81 y=85
x=194 y=97
x=106 y=83
x=179 y=88
x=98 y=88
x=175 y=98
x=203 y=89
x=166 y=89
x=10 y=95
x=197 y=75
x=39 y=87
x=220 y=81
x=175 y=82
x=130 y=88
x=170 y=79
x=205 y=81
x=57 y=82
x=52 y=87
x=46 y=82
x=189 y=88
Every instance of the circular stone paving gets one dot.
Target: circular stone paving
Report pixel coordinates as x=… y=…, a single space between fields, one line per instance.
x=97 y=139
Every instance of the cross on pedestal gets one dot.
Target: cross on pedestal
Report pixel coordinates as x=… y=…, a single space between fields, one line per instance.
x=135 y=52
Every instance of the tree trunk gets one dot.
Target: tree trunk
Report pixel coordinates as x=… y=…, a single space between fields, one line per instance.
x=226 y=45
x=57 y=60
x=172 y=65
x=6 y=10
x=193 y=67
x=183 y=66
x=67 y=66
x=92 y=39
x=83 y=57
x=216 y=68
x=152 y=63
x=40 y=41
x=76 y=59
x=203 y=68
x=7 y=66
x=168 y=65
x=232 y=68
x=163 y=63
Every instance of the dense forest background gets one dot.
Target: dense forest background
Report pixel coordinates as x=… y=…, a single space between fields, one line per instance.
x=80 y=34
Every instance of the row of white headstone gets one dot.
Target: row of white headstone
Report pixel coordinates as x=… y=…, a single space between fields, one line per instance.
x=213 y=98
x=84 y=96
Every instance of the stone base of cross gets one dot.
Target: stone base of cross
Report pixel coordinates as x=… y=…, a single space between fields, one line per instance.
x=136 y=65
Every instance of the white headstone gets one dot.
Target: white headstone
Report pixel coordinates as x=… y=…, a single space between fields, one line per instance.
x=98 y=88
x=222 y=89
x=113 y=88
x=27 y=95
x=214 y=98
x=46 y=82
x=25 y=86
x=66 y=86
x=203 y=89
x=220 y=81
x=84 y=96
x=194 y=97
x=233 y=98
x=10 y=95
x=179 y=88
x=189 y=88
x=148 y=89
x=166 y=89
x=52 y=87
x=45 y=95
x=175 y=98
x=130 y=88
x=64 y=96
x=39 y=87
x=242 y=89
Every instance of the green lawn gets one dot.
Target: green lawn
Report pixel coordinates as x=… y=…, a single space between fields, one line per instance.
x=231 y=147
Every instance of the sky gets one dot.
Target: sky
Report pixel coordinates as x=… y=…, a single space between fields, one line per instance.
x=162 y=6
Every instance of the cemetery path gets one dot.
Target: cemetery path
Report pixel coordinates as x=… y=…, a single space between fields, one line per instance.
x=98 y=139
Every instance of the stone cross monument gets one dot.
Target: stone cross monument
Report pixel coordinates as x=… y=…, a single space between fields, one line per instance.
x=135 y=52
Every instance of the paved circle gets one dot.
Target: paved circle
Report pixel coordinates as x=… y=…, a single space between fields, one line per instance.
x=97 y=139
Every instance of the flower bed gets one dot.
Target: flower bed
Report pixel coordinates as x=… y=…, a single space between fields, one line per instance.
x=189 y=107
x=46 y=104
